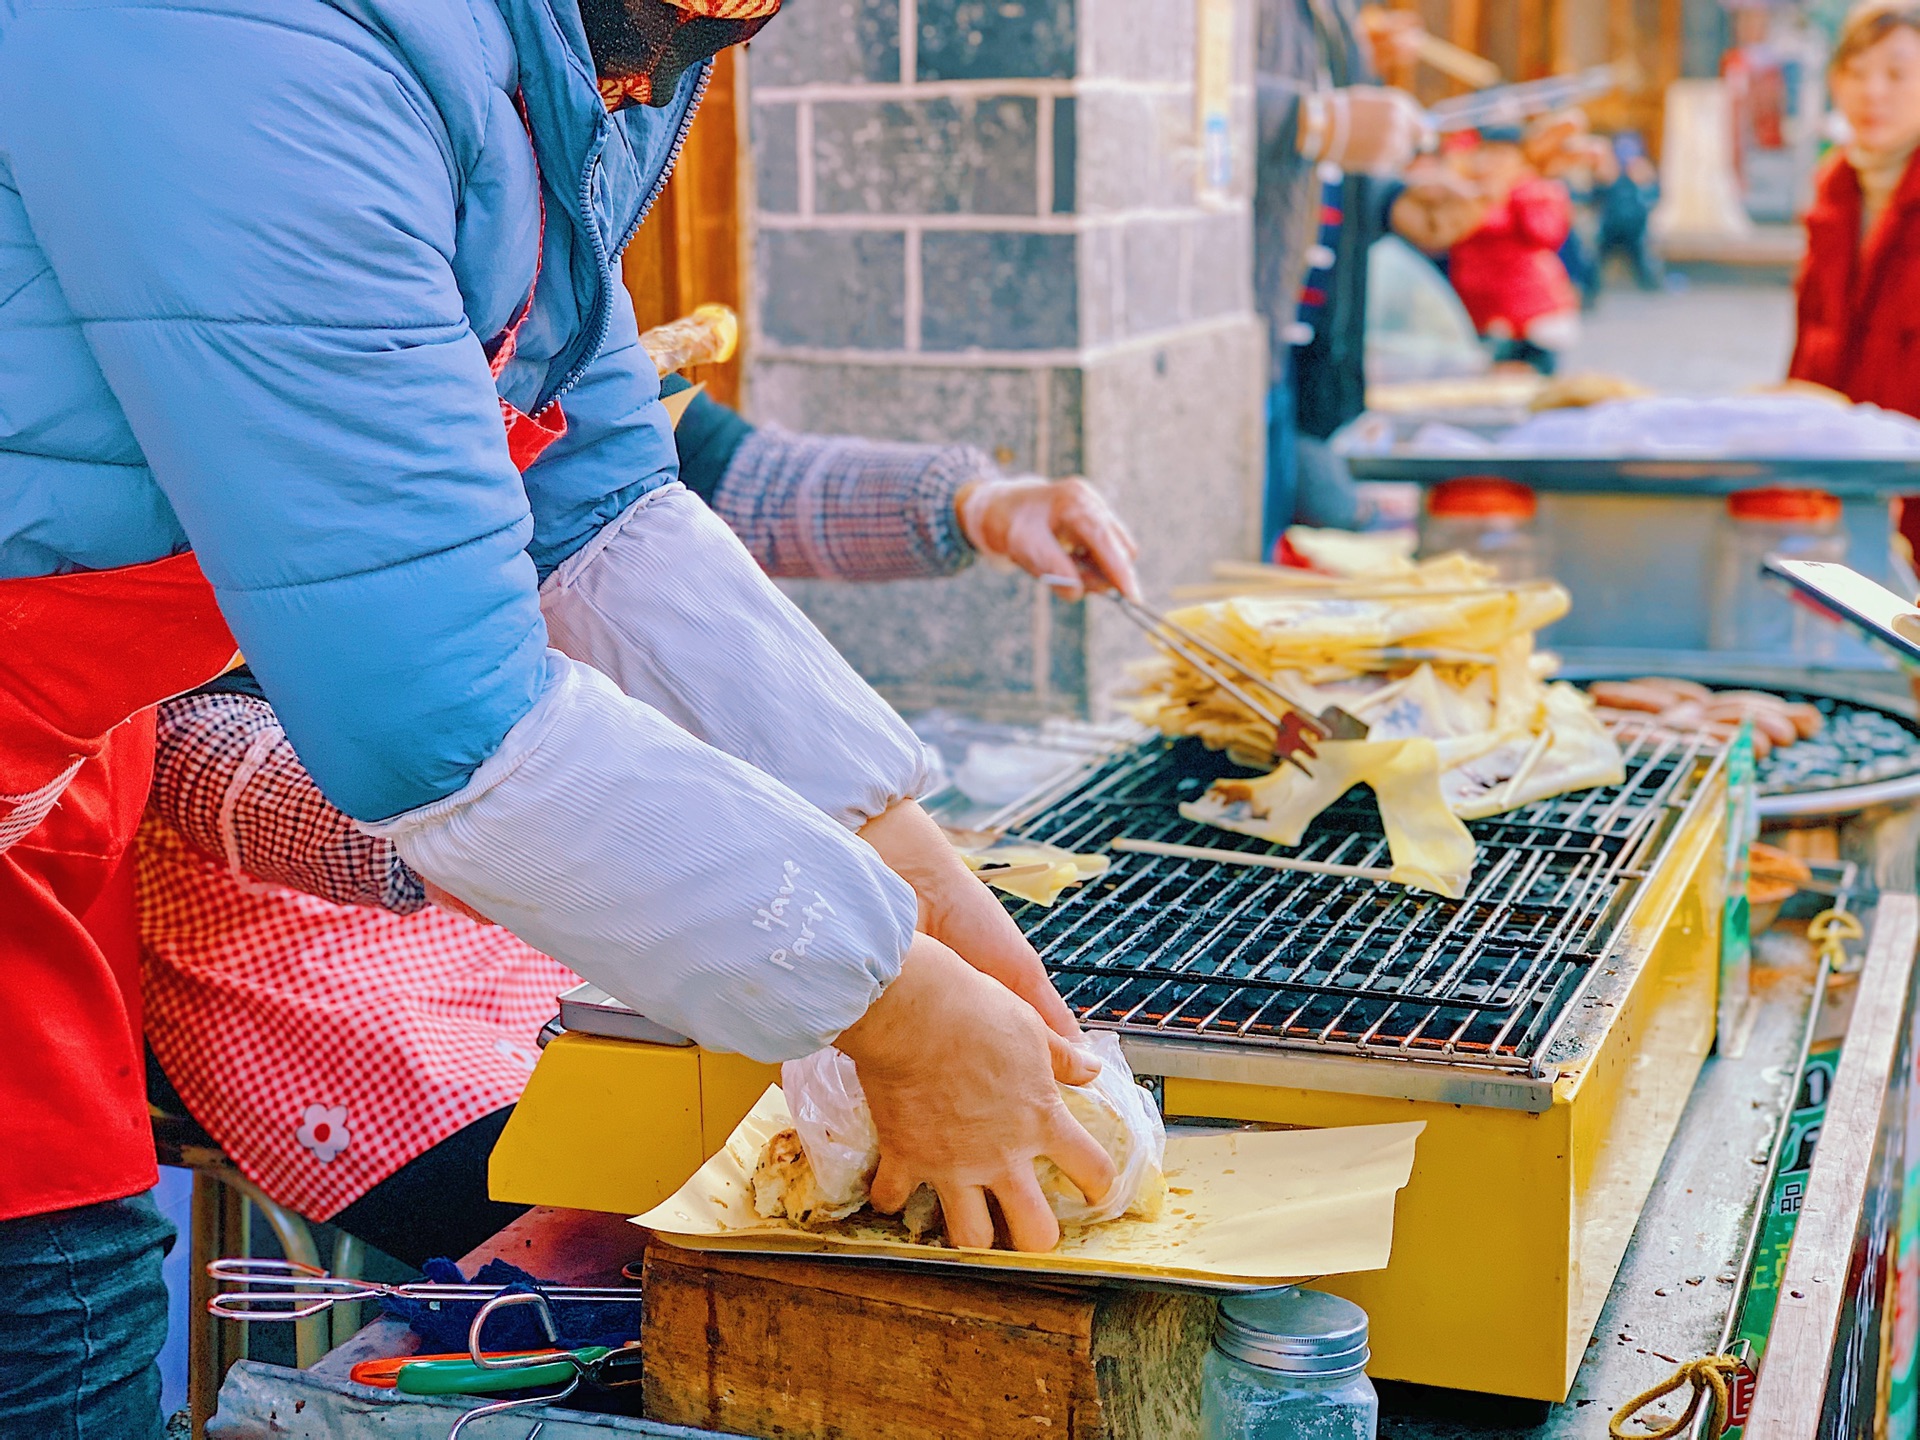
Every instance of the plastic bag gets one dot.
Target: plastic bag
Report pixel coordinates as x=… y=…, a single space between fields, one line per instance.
x=830 y=1114
x=1126 y=1122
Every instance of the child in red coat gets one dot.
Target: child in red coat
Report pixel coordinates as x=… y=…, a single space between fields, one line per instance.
x=1508 y=271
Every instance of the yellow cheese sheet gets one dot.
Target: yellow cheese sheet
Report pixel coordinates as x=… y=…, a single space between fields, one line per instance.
x=1244 y=1209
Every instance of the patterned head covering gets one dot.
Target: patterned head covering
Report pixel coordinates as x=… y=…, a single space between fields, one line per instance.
x=641 y=48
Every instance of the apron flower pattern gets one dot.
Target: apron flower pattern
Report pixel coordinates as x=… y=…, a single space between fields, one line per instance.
x=324 y=1131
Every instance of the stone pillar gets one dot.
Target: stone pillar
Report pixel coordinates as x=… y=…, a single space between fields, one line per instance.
x=984 y=221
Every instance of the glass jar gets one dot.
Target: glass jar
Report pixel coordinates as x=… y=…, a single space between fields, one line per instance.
x=1490 y=519
x=1288 y=1364
x=1748 y=614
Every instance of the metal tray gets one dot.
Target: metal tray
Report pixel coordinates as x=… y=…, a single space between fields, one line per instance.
x=1852 y=479
x=1784 y=793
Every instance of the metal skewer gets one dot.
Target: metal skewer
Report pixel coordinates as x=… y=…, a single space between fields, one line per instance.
x=1243 y=857
x=1510 y=104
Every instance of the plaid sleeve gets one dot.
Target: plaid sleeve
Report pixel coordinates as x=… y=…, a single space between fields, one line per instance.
x=837 y=508
x=226 y=778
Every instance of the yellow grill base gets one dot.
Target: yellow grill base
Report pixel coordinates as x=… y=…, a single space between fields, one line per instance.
x=619 y=1125
x=1507 y=1239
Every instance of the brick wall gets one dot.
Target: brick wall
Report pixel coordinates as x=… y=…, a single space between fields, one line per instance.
x=980 y=220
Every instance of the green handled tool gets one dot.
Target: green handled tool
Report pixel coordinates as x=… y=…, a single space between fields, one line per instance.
x=463 y=1377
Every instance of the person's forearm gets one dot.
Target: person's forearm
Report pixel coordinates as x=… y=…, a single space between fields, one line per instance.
x=841 y=508
x=686 y=883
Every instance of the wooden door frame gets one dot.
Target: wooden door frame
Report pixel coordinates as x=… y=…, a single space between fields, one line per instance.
x=693 y=247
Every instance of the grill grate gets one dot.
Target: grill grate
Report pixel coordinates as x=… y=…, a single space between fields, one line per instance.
x=1191 y=948
x=1857 y=746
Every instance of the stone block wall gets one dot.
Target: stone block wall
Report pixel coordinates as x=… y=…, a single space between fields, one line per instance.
x=981 y=220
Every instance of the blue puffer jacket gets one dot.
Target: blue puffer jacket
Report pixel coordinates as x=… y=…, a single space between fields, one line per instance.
x=248 y=253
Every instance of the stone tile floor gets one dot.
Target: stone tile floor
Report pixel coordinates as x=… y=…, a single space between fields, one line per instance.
x=1711 y=337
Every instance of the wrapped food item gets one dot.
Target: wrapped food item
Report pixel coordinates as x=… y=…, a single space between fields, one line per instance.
x=708 y=336
x=1352 y=554
x=1463 y=721
x=820 y=1170
x=1576 y=392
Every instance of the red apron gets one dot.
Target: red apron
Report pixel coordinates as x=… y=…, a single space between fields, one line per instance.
x=83 y=659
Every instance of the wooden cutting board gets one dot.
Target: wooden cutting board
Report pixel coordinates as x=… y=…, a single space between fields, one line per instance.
x=810 y=1350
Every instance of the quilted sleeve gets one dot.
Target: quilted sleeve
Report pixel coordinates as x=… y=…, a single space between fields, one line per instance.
x=253 y=225
x=252 y=219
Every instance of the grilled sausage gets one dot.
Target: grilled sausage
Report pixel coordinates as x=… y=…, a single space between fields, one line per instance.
x=1774 y=723
x=1807 y=719
x=1723 y=731
x=1630 y=695
x=1679 y=689
x=1760 y=698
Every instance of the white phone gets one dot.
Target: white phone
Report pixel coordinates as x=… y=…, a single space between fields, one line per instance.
x=1869 y=607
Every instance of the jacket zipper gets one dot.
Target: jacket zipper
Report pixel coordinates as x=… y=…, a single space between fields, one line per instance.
x=604 y=307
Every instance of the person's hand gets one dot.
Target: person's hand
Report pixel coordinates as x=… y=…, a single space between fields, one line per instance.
x=1437 y=210
x=958 y=909
x=1372 y=129
x=960 y=1076
x=1061 y=531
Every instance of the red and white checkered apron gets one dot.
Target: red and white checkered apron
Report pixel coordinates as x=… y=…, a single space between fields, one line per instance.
x=324 y=1046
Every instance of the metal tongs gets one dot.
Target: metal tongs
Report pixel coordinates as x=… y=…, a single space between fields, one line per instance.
x=597 y=1368
x=1295 y=730
x=1511 y=104
x=300 y=1291
x=305 y=1290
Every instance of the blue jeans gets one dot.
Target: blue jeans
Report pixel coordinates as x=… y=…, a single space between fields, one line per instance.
x=83 y=1313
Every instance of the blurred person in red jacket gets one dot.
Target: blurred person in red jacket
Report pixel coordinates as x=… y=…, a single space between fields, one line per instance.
x=1859 y=288
x=1860 y=284
x=1508 y=270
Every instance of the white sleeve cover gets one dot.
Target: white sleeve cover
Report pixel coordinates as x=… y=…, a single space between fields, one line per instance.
x=668 y=602
x=679 y=879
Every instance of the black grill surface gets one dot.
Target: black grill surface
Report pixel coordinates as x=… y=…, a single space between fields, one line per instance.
x=1857 y=746
x=1244 y=955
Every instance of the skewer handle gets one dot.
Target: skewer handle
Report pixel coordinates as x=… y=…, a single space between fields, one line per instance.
x=1243 y=857
x=1458 y=63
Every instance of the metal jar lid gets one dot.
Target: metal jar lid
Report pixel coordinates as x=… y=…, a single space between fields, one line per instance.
x=1293 y=1331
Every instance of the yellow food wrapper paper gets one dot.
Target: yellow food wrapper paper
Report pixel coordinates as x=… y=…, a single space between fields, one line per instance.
x=1032 y=869
x=678 y=403
x=1244 y=1208
x=1431 y=848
